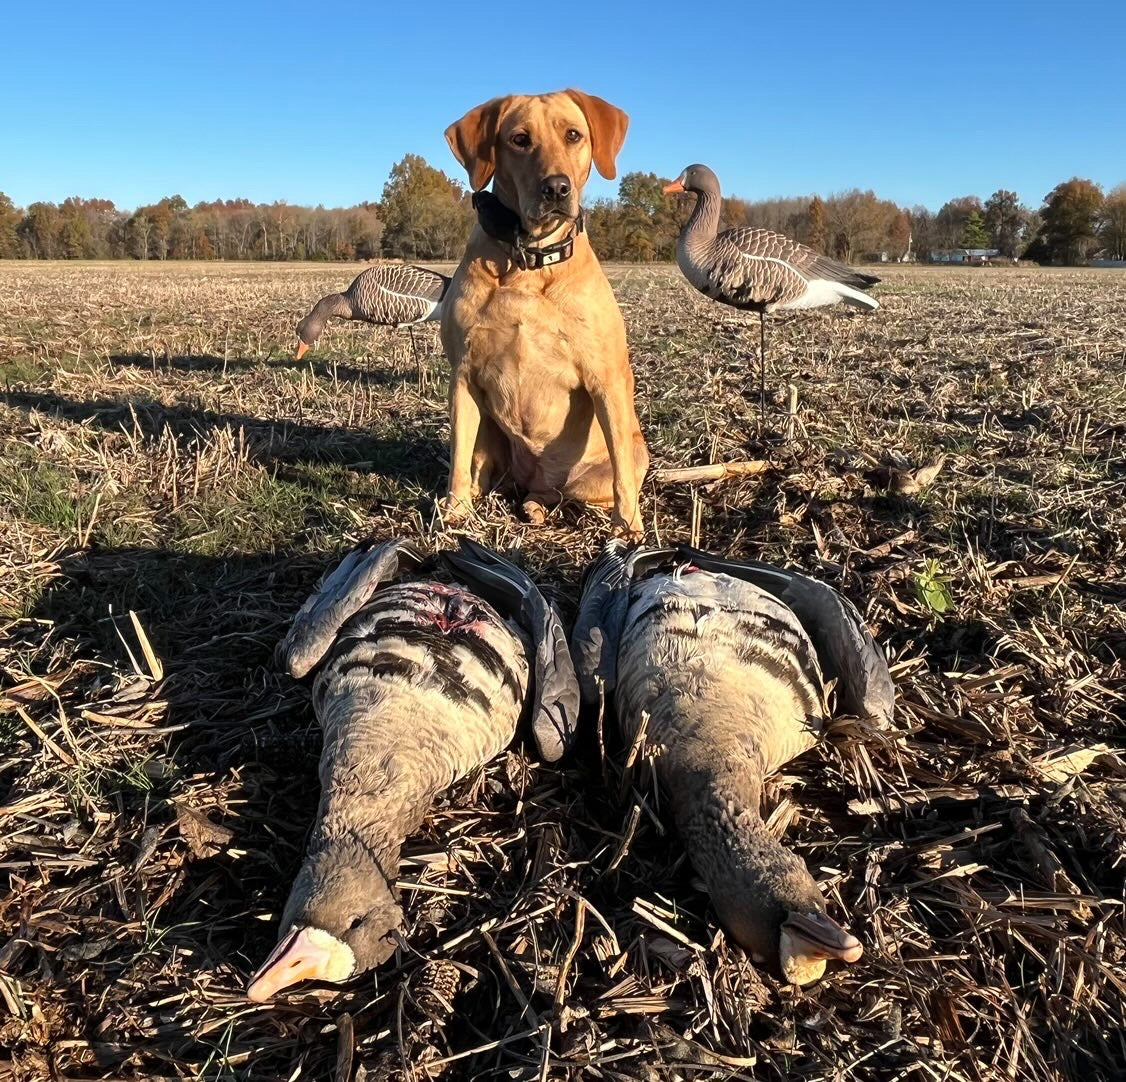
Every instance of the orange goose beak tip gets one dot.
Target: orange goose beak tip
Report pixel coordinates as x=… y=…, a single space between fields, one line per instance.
x=305 y=954
x=302 y=349
x=672 y=187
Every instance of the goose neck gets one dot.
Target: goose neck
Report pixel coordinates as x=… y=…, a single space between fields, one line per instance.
x=703 y=224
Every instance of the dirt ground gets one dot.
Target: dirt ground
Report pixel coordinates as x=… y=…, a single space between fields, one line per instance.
x=172 y=484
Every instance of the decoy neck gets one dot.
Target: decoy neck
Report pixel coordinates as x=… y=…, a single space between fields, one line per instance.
x=313 y=325
x=763 y=894
x=703 y=225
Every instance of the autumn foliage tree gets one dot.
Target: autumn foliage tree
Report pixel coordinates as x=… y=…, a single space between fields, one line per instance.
x=10 y=219
x=425 y=213
x=817 y=225
x=1112 y=227
x=950 y=221
x=1070 y=215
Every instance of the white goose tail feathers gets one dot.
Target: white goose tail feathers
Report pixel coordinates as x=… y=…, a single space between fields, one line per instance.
x=825 y=291
x=854 y=296
x=341 y=593
x=554 y=694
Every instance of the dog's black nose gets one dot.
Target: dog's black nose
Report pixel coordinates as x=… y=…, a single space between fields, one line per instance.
x=555 y=188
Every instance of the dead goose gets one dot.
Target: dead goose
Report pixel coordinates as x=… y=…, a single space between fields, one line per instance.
x=419 y=682
x=757 y=269
x=390 y=294
x=719 y=655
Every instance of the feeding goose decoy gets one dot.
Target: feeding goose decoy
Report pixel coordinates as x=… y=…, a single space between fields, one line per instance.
x=390 y=294
x=757 y=270
x=728 y=661
x=418 y=682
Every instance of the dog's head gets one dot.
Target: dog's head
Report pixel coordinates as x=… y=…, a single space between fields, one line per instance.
x=540 y=148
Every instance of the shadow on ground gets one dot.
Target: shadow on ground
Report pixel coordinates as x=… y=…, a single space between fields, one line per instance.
x=209 y=362
x=410 y=456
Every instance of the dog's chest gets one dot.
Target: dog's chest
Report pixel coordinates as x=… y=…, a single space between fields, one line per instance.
x=524 y=353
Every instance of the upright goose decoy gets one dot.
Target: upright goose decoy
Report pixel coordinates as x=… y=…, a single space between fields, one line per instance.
x=727 y=659
x=757 y=270
x=418 y=683
x=390 y=294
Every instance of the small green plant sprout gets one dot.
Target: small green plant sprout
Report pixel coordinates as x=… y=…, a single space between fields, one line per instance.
x=932 y=590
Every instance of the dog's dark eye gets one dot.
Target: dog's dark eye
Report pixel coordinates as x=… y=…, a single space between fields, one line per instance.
x=355 y=922
x=573 y=135
x=521 y=139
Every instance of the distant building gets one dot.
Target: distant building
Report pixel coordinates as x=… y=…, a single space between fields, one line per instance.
x=977 y=256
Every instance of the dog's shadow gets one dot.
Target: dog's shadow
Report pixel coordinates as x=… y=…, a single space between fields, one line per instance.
x=322 y=369
x=411 y=457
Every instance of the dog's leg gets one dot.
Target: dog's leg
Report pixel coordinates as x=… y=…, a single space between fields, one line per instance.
x=594 y=484
x=488 y=458
x=613 y=406
x=465 y=424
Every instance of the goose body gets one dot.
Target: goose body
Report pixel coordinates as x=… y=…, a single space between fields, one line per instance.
x=732 y=684
x=757 y=269
x=390 y=294
x=417 y=684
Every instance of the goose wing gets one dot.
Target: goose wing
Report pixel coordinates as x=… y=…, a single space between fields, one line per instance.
x=845 y=647
x=603 y=605
x=407 y=280
x=392 y=294
x=340 y=594
x=555 y=690
x=768 y=247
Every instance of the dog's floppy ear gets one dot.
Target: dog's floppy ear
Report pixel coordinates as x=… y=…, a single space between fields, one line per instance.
x=473 y=139
x=607 y=130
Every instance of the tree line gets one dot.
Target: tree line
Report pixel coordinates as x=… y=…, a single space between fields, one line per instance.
x=426 y=215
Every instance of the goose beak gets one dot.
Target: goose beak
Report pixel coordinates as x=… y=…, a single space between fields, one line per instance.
x=673 y=187
x=302 y=347
x=808 y=941
x=305 y=954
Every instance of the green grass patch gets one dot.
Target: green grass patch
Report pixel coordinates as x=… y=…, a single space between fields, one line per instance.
x=24 y=369
x=41 y=493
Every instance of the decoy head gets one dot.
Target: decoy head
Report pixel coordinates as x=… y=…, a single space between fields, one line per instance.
x=694 y=178
x=772 y=907
x=339 y=922
x=308 y=331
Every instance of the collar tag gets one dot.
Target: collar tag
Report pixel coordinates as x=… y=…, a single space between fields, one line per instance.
x=503 y=224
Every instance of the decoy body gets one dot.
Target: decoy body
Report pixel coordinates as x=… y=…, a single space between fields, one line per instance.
x=391 y=294
x=418 y=683
x=757 y=269
x=729 y=662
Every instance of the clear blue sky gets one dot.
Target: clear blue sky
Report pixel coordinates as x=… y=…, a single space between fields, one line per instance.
x=312 y=103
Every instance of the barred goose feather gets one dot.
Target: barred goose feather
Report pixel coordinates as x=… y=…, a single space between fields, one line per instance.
x=726 y=659
x=418 y=682
x=757 y=269
x=391 y=294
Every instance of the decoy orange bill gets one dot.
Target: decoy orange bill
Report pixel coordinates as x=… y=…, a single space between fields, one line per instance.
x=675 y=186
x=301 y=349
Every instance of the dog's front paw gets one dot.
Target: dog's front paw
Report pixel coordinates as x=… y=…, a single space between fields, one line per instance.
x=453 y=510
x=534 y=512
x=628 y=531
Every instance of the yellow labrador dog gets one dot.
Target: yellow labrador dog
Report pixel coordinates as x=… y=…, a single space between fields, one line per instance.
x=541 y=390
